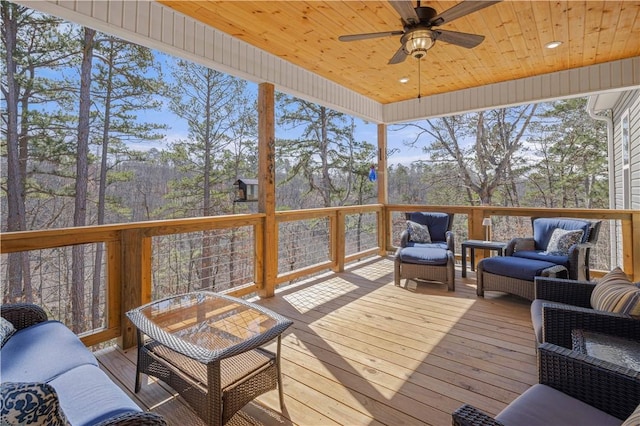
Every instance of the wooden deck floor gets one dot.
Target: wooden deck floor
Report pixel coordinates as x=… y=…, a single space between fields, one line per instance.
x=364 y=352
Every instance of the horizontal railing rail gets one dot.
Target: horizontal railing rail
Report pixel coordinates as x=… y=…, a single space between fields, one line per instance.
x=338 y=234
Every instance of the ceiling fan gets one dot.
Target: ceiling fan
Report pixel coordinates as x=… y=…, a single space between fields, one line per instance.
x=420 y=32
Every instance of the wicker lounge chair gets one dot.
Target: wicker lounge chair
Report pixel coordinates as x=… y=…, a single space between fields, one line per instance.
x=433 y=260
x=527 y=258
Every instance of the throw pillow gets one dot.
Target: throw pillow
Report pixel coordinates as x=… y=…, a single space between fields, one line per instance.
x=6 y=330
x=561 y=241
x=633 y=419
x=30 y=404
x=418 y=233
x=616 y=293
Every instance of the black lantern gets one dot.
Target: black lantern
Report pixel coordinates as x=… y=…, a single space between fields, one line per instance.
x=247 y=190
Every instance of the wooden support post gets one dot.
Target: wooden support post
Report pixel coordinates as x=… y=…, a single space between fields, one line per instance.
x=384 y=220
x=476 y=231
x=267 y=189
x=631 y=255
x=114 y=290
x=136 y=279
x=339 y=240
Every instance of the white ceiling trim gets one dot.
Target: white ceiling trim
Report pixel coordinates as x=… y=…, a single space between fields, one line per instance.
x=595 y=79
x=155 y=26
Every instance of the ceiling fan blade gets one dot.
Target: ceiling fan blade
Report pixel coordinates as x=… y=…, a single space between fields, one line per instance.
x=355 y=37
x=461 y=9
x=460 y=39
x=398 y=57
x=406 y=11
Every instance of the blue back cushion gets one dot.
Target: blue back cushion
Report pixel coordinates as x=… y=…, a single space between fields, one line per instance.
x=42 y=352
x=438 y=223
x=543 y=228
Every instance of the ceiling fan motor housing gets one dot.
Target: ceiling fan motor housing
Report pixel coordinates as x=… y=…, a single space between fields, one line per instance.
x=425 y=14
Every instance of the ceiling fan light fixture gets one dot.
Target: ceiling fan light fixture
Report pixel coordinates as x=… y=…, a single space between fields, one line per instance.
x=416 y=43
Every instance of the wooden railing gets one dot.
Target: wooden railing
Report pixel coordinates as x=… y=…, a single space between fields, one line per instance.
x=129 y=248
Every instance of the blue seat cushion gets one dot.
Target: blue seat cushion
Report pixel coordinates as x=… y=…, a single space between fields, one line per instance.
x=87 y=396
x=544 y=227
x=540 y=255
x=42 y=352
x=515 y=267
x=432 y=245
x=424 y=255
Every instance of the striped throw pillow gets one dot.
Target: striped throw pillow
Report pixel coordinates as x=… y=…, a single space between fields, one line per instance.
x=615 y=293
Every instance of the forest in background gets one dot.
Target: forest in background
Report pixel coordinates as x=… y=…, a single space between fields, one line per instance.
x=76 y=102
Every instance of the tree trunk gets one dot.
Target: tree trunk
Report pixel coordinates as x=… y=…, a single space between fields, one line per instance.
x=82 y=178
x=18 y=263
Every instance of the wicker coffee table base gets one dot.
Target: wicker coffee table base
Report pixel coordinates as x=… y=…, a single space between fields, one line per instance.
x=215 y=391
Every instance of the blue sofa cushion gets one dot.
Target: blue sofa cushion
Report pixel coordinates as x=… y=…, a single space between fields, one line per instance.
x=42 y=352
x=438 y=223
x=515 y=267
x=543 y=257
x=544 y=227
x=90 y=397
x=424 y=255
x=30 y=404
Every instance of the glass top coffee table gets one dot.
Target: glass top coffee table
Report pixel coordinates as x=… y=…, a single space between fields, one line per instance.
x=207 y=346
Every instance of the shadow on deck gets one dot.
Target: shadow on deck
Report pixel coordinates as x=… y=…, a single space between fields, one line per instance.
x=365 y=352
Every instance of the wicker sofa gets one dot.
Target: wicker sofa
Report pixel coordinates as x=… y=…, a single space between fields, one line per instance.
x=573 y=389
x=50 y=377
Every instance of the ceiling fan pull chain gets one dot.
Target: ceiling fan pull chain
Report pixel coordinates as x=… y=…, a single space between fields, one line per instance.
x=419 y=80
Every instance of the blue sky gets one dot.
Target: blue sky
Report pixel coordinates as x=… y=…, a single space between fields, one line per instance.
x=177 y=127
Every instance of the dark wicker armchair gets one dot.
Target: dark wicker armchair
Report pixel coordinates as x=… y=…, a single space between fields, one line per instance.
x=562 y=306
x=573 y=389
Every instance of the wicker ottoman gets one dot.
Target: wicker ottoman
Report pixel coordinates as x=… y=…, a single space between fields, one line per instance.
x=436 y=265
x=514 y=275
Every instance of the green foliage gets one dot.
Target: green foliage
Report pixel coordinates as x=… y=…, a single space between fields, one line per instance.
x=571 y=149
x=333 y=163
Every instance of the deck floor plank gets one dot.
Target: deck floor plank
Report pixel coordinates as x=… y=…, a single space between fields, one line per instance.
x=362 y=351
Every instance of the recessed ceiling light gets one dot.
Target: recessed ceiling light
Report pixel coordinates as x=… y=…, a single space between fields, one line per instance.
x=553 y=44
x=404 y=80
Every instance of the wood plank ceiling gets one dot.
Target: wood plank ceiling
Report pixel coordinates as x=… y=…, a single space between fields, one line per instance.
x=306 y=34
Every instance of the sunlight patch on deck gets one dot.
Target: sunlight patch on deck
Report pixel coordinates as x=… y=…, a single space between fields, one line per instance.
x=308 y=298
x=382 y=269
